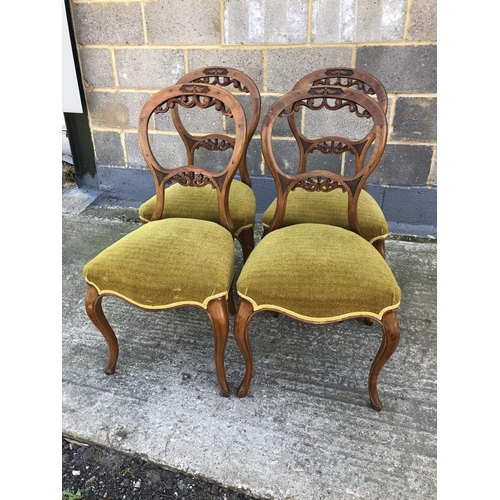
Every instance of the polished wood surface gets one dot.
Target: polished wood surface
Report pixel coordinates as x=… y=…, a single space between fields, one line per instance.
x=240 y=83
x=367 y=152
x=191 y=177
x=228 y=78
x=390 y=341
x=341 y=77
x=93 y=306
x=244 y=313
x=217 y=311
x=188 y=96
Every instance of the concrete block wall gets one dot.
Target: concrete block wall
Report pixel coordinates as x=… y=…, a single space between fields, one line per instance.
x=129 y=50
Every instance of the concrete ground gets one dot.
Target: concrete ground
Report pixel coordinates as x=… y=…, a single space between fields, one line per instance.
x=306 y=431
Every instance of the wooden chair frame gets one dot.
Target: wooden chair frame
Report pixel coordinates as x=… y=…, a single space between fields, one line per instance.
x=321 y=180
x=340 y=77
x=192 y=177
x=223 y=76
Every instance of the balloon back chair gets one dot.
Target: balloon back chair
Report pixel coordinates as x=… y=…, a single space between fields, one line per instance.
x=314 y=272
x=175 y=262
x=331 y=209
x=202 y=204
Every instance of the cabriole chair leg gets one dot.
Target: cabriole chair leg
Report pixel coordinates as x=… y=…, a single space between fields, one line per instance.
x=217 y=311
x=390 y=341
x=95 y=313
x=243 y=315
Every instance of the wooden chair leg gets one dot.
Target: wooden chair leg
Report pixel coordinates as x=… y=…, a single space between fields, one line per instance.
x=217 y=311
x=231 y=304
x=247 y=242
x=380 y=246
x=243 y=315
x=390 y=341
x=95 y=313
x=369 y=321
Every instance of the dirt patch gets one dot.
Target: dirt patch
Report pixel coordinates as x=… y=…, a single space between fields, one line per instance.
x=68 y=175
x=93 y=472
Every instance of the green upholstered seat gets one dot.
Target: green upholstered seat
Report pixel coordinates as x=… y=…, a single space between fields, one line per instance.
x=201 y=203
x=166 y=263
x=331 y=208
x=318 y=273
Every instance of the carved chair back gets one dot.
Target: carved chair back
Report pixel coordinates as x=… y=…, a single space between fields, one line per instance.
x=223 y=77
x=339 y=77
x=367 y=151
x=192 y=176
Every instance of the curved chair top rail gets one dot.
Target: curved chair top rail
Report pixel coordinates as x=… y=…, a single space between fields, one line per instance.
x=332 y=98
x=347 y=77
x=356 y=79
x=190 y=96
x=221 y=76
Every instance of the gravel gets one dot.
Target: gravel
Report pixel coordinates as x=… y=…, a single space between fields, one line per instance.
x=93 y=472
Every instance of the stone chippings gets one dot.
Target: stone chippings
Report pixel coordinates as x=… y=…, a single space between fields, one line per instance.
x=98 y=472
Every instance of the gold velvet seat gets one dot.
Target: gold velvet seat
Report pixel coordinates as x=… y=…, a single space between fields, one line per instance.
x=274 y=276
x=202 y=204
x=171 y=247
x=174 y=262
x=314 y=272
x=180 y=202
x=332 y=209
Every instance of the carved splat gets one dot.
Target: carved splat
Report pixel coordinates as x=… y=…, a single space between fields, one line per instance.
x=322 y=98
x=223 y=81
x=343 y=77
x=347 y=78
x=218 y=76
x=318 y=183
x=215 y=144
x=192 y=179
x=331 y=147
x=195 y=100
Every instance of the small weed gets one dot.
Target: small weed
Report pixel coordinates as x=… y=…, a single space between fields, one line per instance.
x=68 y=175
x=69 y=495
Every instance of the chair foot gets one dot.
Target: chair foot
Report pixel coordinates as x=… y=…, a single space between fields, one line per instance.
x=390 y=341
x=95 y=313
x=217 y=311
x=243 y=315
